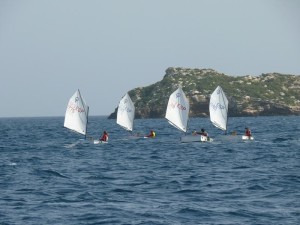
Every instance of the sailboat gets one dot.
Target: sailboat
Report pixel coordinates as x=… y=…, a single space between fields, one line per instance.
x=125 y=114
x=76 y=117
x=177 y=114
x=178 y=108
x=246 y=136
x=218 y=109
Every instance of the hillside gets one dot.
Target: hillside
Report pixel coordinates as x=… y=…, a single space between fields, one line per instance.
x=267 y=94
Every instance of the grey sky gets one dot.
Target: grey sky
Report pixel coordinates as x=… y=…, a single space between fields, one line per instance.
x=48 y=49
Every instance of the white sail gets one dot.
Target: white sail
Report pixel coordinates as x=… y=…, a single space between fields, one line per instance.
x=76 y=116
x=218 y=108
x=178 y=108
x=125 y=114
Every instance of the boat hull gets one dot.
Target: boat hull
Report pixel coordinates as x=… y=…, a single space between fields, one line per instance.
x=100 y=142
x=247 y=138
x=194 y=138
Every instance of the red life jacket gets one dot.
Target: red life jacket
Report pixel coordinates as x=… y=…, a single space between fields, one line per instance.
x=248 y=133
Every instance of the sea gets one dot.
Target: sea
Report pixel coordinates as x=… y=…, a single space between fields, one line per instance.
x=51 y=175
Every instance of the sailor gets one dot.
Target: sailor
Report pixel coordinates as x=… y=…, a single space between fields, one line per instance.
x=248 y=132
x=151 y=135
x=104 y=136
x=202 y=132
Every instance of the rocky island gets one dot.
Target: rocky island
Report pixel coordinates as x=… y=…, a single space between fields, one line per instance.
x=265 y=95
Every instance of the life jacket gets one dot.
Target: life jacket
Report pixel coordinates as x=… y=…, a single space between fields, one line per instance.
x=153 y=134
x=248 y=133
x=104 y=137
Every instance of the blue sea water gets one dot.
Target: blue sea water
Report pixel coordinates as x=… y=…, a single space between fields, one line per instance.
x=50 y=175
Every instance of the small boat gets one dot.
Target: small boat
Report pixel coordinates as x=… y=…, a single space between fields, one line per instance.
x=244 y=137
x=218 y=109
x=76 y=117
x=178 y=108
x=195 y=138
x=177 y=115
x=100 y=142
x=125 y=114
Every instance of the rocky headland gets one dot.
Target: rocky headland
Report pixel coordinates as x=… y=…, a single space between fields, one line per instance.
x=265 y=95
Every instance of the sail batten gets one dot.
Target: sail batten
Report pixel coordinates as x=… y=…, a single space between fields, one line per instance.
x=218 y=109
x=125 y=114
x=177 y=112
x=76 y=116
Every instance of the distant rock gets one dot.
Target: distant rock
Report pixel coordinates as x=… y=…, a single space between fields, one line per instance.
x=265 y=95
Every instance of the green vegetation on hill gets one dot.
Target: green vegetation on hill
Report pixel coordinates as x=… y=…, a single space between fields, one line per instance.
x=267 y=94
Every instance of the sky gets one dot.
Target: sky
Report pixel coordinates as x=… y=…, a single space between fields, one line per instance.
x=49 y=49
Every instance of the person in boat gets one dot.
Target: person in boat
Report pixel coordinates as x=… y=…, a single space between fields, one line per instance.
x=248 y=132
x=151 y=135
x=104 y=136
x=202 y=132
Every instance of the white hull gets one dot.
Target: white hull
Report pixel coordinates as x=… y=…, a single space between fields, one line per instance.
x=195 y=138
x=100 y=142
x=247 y=138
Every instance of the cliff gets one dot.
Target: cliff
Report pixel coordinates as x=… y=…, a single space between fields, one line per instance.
x=267 y=94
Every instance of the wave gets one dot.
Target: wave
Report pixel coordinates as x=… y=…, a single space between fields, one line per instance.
x=119 y=190
x=256 y=187
x=50 y=173
x=186 y=191
x=280 y=139
x=51 y=177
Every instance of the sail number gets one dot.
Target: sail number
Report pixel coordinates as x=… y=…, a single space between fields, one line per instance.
x=217 y=106
x=125 y=109
x=75 y=108
x=177 y=105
